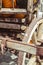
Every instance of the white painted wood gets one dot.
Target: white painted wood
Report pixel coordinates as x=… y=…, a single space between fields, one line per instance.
x=8 y=10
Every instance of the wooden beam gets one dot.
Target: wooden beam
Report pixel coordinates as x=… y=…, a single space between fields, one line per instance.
x=0 y=4
x=12 y=11
x=20 y=46
x=30 y=9
x=9 y=26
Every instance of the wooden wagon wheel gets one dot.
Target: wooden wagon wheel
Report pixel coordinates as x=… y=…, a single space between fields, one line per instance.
x=35 y=25
x=28 y=35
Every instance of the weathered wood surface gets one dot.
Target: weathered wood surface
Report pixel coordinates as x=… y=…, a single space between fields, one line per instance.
x=12 y=11
x=19 y=46
x=9 y=26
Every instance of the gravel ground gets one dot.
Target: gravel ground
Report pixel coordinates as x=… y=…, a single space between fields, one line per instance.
x=8 y=59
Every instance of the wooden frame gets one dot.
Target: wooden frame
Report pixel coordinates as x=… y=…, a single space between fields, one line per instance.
x=23 y=46
x=12 y=11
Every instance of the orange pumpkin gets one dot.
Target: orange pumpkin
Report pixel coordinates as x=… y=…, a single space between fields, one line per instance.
x=8 y=4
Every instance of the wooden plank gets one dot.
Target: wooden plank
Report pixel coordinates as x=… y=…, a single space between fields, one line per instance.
x=12 y=20
x=12 y=11
x=0 y=4
x=30 y=9
x=23 y=48
x=9 y=26
x=21 y=58
x=20 y=46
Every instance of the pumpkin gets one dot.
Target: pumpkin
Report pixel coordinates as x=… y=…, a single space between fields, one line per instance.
x=8 y=4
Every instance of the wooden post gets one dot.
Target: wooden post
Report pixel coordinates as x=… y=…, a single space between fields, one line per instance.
x=21 y=58
x=30 y=9
x=0 y=4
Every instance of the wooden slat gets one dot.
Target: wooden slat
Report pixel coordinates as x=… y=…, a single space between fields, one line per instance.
x=20 y=46
x=9 y=26
x=12 y=20
x=31 y=29
x=12 y=11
